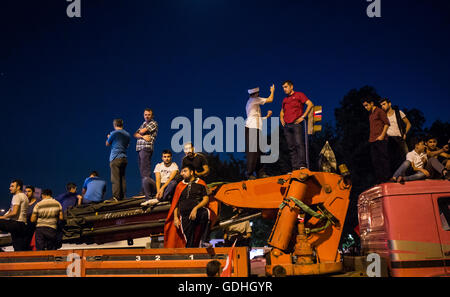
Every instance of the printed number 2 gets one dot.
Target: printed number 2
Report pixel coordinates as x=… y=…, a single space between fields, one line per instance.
x=157 y=257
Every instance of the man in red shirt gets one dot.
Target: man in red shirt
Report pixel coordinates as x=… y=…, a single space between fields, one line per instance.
x=379 y=124
x=292 y=118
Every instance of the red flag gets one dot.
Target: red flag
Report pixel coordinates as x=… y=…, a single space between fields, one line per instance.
x=357 y=230
x=33 y=242
x=226 y=272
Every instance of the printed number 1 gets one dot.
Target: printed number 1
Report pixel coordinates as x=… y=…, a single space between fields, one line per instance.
x=191 y=257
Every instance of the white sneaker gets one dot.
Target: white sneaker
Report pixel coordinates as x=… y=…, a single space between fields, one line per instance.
x=150 y=202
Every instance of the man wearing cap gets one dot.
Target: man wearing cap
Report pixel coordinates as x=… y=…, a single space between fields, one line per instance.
x=292 y=118
x=253 y=128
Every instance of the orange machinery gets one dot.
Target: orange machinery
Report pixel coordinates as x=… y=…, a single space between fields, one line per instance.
x=310 y=210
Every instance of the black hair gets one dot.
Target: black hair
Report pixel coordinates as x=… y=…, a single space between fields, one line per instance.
x=384 y=99
x=70 y=186
x=428 y=137
x=47 y=192
x=288 y=82
x=118 y=123
x=416 y=140
x=167 y=151
x=30 y=187
x=18 y=182
x=368 y=99
x=148 y=109
x=213 y=268
x=94 y=173
x=189 y=166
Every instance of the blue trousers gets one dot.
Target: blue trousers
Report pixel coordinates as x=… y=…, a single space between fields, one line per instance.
x=404 y=168
x=295 y=139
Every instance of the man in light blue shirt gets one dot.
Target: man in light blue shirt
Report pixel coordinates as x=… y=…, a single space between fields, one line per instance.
x=94 y=189
x=118 y=140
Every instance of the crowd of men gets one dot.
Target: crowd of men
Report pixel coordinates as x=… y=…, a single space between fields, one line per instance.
x=391 y=160
x=36 y=223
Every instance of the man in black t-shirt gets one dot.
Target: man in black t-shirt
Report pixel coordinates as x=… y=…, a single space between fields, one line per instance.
x=191 y=210
x=197 y=161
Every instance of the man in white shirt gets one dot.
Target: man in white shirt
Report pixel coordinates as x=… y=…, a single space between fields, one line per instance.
x=415 y=162
x=397 y=131
x=15 y=220
x=253 y=128
x=166 y=183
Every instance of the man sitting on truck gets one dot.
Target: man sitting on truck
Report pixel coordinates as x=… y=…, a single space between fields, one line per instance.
x=166 y=183
x=415 y=163
x=94 y=189
x=438 y=164
x=188 y=212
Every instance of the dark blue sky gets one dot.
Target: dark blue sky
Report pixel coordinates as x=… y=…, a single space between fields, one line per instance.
x=63 y=81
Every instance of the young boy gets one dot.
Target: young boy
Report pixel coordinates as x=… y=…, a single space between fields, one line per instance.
x=415 y=160
x=438 y=164
x=166 y=183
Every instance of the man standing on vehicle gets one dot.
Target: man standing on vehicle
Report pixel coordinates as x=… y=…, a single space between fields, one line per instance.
x=146 y=136
x=397 y=131
x=379 y=124
x=292 y=118
x=119 y=140
x=253 y=130
x=46 y=215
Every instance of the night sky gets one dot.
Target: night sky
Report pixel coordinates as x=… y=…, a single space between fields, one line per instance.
x=63 y=80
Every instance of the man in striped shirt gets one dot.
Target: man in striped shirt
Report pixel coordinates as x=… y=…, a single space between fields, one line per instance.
x=146 y=135
x=46 y=215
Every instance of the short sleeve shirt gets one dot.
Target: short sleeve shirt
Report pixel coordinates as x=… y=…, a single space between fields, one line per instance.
x=95 y=189
x=393 y=129
x=190 y=197
x=165 y=171
x=47 y=212
x=197 y=162
x=416 y=158
x=293 y=106
x=67 y=200
x=21 y=200
x=253 y=110
x=119 y=141
x=377 y=120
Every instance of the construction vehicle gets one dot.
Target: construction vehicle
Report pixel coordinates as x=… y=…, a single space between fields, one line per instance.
x=401 y=223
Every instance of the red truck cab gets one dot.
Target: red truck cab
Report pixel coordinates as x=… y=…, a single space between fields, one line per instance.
x=408 y=226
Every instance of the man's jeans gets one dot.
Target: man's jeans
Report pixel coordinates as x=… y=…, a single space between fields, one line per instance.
x=397 y=149
x=295 y=139
x=119 y=184
x=380 y=160
x=145 y=162
x=406 y=166
x=169 y=191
